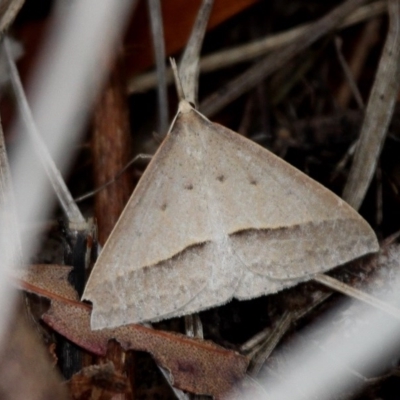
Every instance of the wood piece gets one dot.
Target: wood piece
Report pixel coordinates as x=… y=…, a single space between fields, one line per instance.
x=111 y=152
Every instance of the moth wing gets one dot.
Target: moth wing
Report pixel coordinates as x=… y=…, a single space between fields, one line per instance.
x=150 y=264
x=207 y=184
x=283 y=224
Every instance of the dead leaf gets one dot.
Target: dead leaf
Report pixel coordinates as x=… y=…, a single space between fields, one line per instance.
x=195 y=365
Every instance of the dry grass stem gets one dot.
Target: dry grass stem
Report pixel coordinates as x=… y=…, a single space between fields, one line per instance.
x=64 y=196
x=357 y=61
x=348 y=74
x=189 y=64
x=257 y=48
x=272 y=341
x=378 y=113
x=348 y=290
x=159 y=54
x=264 y=68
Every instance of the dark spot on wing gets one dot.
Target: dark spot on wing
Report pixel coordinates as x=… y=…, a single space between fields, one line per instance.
x=253 y=182
x=221 y=178
x=164 y=207
x=188 y=186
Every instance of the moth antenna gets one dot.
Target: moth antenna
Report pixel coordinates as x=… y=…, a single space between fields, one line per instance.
x=178 y=83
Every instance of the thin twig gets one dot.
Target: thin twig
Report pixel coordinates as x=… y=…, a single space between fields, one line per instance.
x=9 y=9
x=189 y=64
x=193 y=326
x=260 y=346
x=358 y=57
x=390 y=239
x=378 y=114
x=379 y=197
x=281 y=328
x=250 y=51
x=357 y=294
x=255 y=74
x=255 y=340
x=111 y=181
x=348 y=74
x=65 y=198
x=318 y=298
x=180 y=394
x=178 y=84
x=159 y=54
x=344 y=160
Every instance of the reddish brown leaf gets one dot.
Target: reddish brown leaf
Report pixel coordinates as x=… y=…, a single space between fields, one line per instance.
x=196 y=366
x=49 y=281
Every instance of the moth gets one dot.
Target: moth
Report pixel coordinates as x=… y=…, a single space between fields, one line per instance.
x=215 y=217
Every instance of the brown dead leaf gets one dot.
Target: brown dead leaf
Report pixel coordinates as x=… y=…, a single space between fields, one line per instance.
x=196 y=366
x=49 y=281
